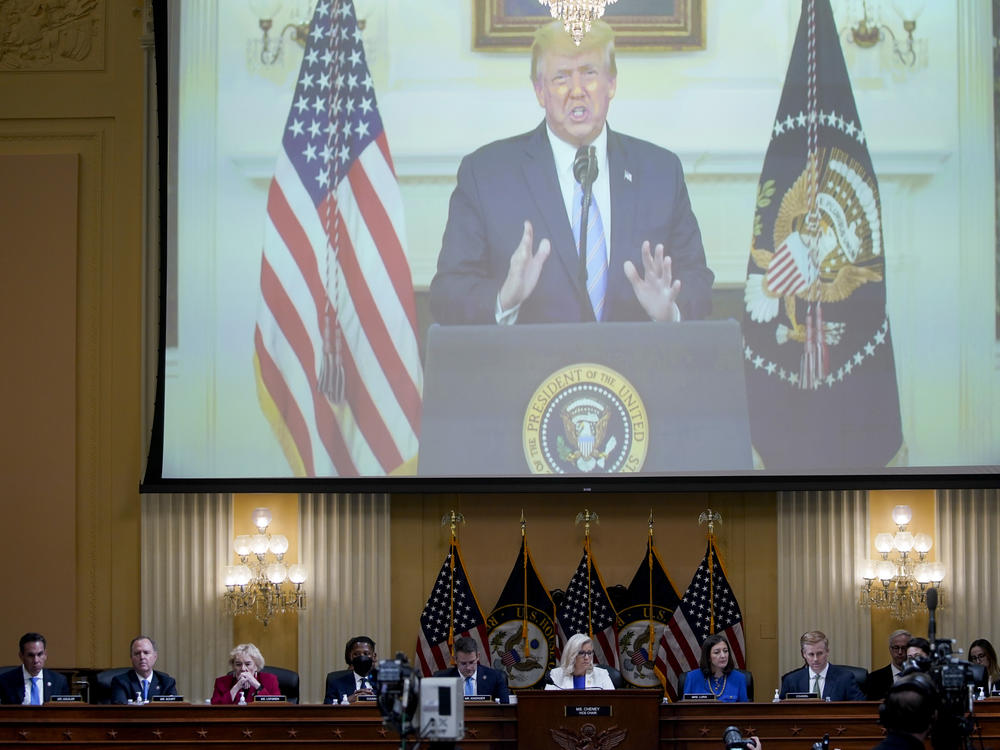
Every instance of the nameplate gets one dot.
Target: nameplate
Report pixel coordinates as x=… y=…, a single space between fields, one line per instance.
x=477 y=699
x=367 y=698
x=699 y=696
x=801 y=696
x=588 y=711
x=269 y=699
x=66 y=699
x=166 y=699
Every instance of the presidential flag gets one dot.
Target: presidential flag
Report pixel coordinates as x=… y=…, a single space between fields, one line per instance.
x=820 y=372
x=335 y=346
x=586 y=608
x=651 y=601
x=522 y=629
x=451 y=611
x=708 y=607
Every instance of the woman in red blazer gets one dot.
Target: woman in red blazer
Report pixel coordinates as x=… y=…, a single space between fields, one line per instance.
x=245 y=677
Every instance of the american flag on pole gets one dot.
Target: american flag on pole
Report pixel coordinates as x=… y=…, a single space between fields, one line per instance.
x=708 y=607
x=335 y=346
x=586 y=608
x=452 y=610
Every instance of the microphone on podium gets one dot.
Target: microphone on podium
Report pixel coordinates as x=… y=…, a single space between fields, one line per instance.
x=585 y=172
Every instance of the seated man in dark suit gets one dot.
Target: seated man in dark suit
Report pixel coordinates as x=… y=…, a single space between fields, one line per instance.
x=818 y=675
x=879 y=681
x=142 y=681
x=359 y=653
x=32 y=684
x=477 y=679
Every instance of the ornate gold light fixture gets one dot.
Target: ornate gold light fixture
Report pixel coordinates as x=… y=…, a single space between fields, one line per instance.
x=577 y=15
x=868 y=32
x=267 y=48
x=898 y=584
x=257 y=586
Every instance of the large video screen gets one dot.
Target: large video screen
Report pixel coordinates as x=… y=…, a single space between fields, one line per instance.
x=743 y=242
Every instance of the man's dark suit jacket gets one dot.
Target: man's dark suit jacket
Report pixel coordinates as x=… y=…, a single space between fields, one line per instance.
x=489 y=682
x=507 y=182
x=339 y=684
x=125 y=686
x=840 y=684
x=12 y=685
x=878 y=683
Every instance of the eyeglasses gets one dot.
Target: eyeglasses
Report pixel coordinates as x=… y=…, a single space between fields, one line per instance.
x=588 y=654
x=897 y=648
x=978 y=658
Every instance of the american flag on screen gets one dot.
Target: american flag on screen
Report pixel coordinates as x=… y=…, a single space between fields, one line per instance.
x=586 y=608
x=708 y=607
x=452 y=611
x=335 y=346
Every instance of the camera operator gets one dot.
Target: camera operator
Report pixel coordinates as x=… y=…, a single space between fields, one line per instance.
x=733 y=739
x=909 y=710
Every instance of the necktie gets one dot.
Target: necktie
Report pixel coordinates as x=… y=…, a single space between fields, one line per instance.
x=470 y=688
x=815 y=687
x=36 y=699
x=145 y=690
x=597 y=252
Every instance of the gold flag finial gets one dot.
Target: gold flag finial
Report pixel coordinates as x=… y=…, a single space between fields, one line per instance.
x=711 y=518
x=452 y=518
x=650 y=523
x=587 y=516
x=524 y=523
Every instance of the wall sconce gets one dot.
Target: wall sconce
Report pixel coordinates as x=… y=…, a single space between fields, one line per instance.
x=868 y=31
x=271 y=46
x=257 y=585
x=899 y=584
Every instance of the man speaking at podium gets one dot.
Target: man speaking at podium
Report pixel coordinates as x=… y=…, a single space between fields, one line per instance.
x=510 y=252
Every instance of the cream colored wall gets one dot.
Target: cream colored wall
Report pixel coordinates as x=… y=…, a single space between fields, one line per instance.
x=78 y=514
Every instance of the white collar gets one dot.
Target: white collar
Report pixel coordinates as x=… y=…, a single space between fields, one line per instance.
x=564 y=153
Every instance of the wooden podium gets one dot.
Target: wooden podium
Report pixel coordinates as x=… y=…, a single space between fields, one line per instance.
x=587 y=719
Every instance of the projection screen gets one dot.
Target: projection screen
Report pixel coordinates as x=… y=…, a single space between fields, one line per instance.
x=340 y=220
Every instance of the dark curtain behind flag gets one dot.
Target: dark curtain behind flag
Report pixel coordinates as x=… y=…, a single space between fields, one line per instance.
x=335 y=347
x=522 y=629
x=652 y=599
x=451 y=611
x=707 y=607
x=586 y=608
x=821 y=378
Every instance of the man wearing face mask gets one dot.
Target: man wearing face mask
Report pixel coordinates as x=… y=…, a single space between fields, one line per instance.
x=357 y=680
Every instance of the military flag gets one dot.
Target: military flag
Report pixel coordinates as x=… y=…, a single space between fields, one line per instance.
x=451 y=611
x=522 y=629
x=586 y=608
x=708 y=607
x=820 y=372
x=652 y=599
x=335 y=346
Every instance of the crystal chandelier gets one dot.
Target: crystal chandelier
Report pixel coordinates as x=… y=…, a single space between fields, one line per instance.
x=898 y=584
x=577 y=15
x=257 y=586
